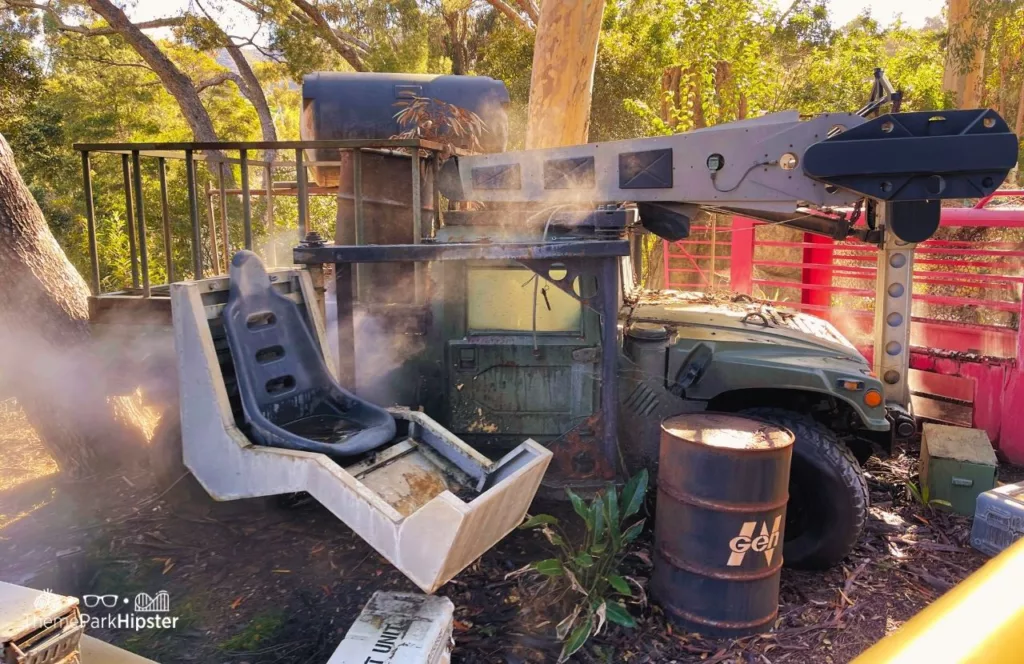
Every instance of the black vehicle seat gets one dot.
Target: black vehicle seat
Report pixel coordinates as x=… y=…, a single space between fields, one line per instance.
x=289 y=397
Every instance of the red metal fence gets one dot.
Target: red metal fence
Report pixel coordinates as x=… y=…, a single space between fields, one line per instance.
x=967 y=303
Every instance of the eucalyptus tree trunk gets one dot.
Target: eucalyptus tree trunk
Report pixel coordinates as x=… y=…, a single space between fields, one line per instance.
x=965 y=55
x=46 y=358
x=562 y=81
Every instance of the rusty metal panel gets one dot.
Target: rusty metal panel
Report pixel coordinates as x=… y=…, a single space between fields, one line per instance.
x=386 y=197
x=500 y=387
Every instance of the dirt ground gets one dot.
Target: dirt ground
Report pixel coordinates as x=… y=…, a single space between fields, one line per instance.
x=257 y=582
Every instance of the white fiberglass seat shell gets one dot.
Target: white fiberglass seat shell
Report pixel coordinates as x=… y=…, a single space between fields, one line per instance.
x=427 y=502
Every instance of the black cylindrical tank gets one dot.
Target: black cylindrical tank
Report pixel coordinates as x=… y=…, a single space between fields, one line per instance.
x=722 y=491
x=645 y=344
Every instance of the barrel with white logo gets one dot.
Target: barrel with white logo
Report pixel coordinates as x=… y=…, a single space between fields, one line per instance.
x=722 y=490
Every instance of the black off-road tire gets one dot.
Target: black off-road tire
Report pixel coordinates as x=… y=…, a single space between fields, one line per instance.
x=828 y=497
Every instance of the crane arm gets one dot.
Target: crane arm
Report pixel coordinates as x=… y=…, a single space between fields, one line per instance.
x=768 y=167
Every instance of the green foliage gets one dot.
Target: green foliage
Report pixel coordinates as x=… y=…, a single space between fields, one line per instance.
x=922 y=496
x=588 y=571
x=761 y=59
x=507 y=56
x=836 y=76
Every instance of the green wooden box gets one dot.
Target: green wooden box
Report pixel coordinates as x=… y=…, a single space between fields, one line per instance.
x=957 y=465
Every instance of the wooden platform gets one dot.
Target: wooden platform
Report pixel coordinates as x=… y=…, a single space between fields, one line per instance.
x=129 y=307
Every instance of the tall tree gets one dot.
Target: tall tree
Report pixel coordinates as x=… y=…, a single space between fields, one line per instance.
x=44 y=331
x=562 y=81
x=965 y=54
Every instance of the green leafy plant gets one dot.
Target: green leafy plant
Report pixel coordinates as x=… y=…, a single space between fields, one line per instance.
x=586 y=573
x=922 y=496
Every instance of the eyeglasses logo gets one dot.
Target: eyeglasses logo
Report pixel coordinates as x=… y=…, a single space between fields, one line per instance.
x=92 y=601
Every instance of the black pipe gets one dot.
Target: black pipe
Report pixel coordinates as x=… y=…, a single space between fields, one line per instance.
x=837 y=229
x=90 y=218
x=126 y=173
x=246 y=201
x=300 y=179
x=166 y=218
x=193 y=213
x=609 y=293
x=140 y=218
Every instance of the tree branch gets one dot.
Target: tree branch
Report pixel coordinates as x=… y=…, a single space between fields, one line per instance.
x=351 y=39
x=510 y=12
x=177 y=84
x=247 y=83
x=330 y=35
x=253 y=91
x=247 y=41
x=168 y=22
x=114 y=63
x=784 y=15
x=219 y=79
x=531 y=9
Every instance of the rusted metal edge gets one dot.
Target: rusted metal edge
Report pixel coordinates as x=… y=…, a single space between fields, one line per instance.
x=725 y=450
x=271 y=145
x=741 y=508
x=460 y=251
x=757 y=575
x=720 y=624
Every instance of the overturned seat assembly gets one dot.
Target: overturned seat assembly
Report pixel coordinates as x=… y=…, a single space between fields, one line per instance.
x=262 y=414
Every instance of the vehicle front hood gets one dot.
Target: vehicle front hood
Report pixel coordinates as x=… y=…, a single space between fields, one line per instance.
x=752 y=320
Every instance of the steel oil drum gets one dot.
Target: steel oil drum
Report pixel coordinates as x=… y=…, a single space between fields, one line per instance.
x=722 y=491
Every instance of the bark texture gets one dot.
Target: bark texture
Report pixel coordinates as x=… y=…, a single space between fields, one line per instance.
x=962 y=76
x=671 y=95
x=253 y=91
x=46 y=357
x=562 y=82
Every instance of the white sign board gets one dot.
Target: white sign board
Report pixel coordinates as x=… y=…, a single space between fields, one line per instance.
x=399 y=628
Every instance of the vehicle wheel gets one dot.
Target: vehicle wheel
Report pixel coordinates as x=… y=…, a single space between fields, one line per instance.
x=828 y=497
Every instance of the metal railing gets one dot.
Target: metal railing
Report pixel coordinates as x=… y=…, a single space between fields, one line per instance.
x=219 y=154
